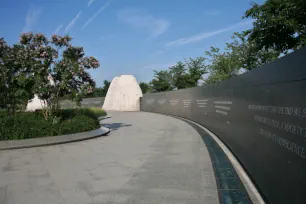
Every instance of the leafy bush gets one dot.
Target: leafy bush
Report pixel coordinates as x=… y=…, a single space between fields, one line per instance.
x=89 y=112
x=96 y=112
x=32 y=124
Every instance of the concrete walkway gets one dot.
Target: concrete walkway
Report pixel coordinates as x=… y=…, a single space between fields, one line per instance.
x=147 y=158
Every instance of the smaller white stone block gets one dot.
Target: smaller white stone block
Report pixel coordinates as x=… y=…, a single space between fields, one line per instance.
x=35 y=104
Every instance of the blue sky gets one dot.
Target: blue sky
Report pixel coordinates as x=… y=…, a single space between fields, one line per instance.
x=129 y=36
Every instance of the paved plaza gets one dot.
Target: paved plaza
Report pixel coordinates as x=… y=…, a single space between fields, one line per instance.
x=146 y=158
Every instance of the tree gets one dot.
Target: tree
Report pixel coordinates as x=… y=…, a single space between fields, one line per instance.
x=17 y=81
x=178 y=75
x=4 y=53
x=98 y=91
x=222 y=65
x=105 y=88
x=240 y=54
x=57 y=76
x=196 y=69
x=279 y=25
x=145 y=87
x=161 y=81
x=188 y=74
x=247 y=54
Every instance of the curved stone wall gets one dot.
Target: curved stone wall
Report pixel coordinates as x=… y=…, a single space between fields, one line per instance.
x=260 y=116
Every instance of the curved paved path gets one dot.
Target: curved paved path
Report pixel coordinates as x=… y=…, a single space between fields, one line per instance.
x=147 y=158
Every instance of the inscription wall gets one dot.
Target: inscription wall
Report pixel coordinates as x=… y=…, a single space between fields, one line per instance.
x=86 y=102
x=260 y=116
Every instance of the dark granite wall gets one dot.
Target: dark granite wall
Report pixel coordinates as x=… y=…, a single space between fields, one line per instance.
x=260 y=116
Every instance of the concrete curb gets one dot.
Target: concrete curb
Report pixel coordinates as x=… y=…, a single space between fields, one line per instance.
x=104 y=117
x=54 y=140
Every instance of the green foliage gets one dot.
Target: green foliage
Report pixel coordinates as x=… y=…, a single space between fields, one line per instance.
x=196 y=69
x=240 y=54
x=16 y=80
x=145 y=87
x=50 y=68
x=25 y=125
x=222 y=65
x=279 y=25
x=179 y=76
x=103 y=91
x=100 y=91
x=92 y=112
x=188 y=74
x=247 y=54
x=161 y=81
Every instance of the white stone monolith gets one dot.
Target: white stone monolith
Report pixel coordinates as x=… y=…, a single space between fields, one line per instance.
x=123 y=94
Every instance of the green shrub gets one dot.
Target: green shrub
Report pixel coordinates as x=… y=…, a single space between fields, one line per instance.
x=93 y=112
x=90 y=112
x=32 y=124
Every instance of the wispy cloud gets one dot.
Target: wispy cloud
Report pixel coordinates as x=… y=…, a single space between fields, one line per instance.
x=211 y=12
x=73 y=21
x=31 y=19
x=205 y=35
x=58 y=29
x=90 y=2
x=140 y=19
x=158 y=53
x=97 y=13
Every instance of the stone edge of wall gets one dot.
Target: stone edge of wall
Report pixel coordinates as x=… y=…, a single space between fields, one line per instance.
x=53 y=140
x=251 y=189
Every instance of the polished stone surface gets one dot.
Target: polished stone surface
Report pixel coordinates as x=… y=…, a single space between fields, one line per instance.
x=260 y=116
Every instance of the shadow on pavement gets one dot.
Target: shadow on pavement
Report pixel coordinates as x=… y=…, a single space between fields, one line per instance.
x=115 y=126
